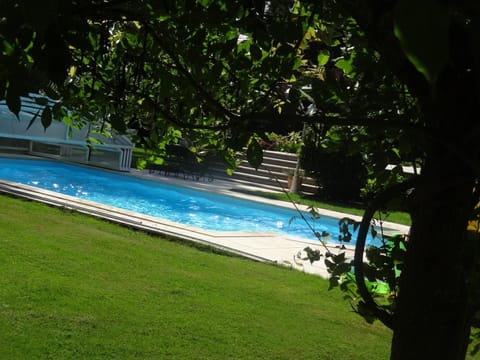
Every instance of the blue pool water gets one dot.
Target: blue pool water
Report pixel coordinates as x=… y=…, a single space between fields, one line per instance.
x=175 y=203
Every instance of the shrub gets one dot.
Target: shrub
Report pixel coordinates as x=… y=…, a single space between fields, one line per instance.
x=339 y=176
x=290 y=143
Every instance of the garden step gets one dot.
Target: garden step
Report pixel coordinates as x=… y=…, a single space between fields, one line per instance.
x=279 y=184
x=258 y=179
x=273 y=166
x=255 y=181
x=268 y=171
x=288 y=162
x=279 y=155
x=273 y=170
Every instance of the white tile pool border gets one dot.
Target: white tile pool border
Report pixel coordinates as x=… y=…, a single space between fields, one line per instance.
x=259 y=246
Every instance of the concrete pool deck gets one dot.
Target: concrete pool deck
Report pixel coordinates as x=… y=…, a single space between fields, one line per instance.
x=259 y=246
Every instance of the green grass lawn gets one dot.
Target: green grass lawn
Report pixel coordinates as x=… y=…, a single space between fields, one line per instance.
x=72 y=286
x=394 y=216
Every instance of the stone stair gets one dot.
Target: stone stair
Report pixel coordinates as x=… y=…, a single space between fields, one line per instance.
x=272 y=174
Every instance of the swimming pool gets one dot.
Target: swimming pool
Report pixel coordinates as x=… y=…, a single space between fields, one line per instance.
x=180 y=204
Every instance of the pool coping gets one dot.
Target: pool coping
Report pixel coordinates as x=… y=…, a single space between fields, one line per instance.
x=259 y=246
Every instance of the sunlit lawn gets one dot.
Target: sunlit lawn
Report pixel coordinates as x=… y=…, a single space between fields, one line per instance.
x=77 y=287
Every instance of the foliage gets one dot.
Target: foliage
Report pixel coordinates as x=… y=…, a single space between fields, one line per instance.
x=290 y=143
x=382 y=270
x=381 y=181
x=338 y=169
x=380 y=275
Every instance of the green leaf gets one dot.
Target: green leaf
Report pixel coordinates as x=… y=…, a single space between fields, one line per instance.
x=312 y=255
x=41 y=101
x=46 y=117
x=422 y=27
x=341 y=269
x=244 y=46
x=52 y=93
x=297 y=63
x=334 y=282
x=346 y=65
x=232 y=34
x=323 y=57
x=396 y=151
x=13 y=102
x=58 y=111
x=254 y=153
x=8 y=48
x=230 y=161
x=204 y=3
x=339 y=258
x=256 y=52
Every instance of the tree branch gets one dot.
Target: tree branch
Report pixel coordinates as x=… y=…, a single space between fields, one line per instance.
x=99 y=8
x=219 y=108
x=381 y=122
x=388 y=194
x=376 y=18
x=168 y=116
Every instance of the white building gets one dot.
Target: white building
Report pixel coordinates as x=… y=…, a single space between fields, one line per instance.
x=59 y=140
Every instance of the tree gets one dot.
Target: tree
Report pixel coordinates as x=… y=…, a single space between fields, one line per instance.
x=226 y=72
x=435 y=58
x=334 y=161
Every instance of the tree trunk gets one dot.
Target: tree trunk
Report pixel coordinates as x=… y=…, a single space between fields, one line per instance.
x=432 y=320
